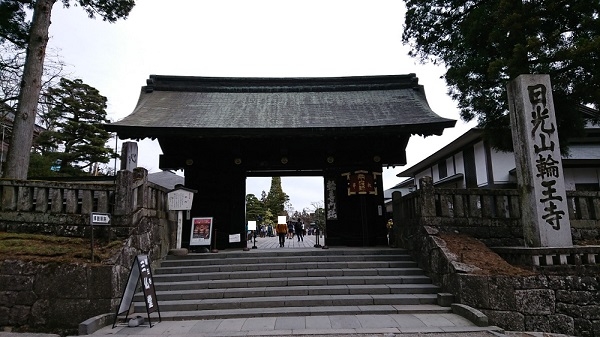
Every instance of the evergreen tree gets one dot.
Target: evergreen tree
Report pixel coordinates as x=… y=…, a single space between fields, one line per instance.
x=37 y=40
x=254 y=208
x=485 y=44
x=276 y=198
x=76 y=138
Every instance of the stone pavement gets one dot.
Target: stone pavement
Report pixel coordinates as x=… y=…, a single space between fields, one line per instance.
x=348 y=325
x=273 y=242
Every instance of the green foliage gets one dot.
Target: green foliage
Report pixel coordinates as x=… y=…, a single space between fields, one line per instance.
x=75 y=135
x=320 y=218
x=40 y=166
x=254 y=208
x=484 y=44
x=276 y=198
x=109 y=10
x=269 y=206
x=13 y=26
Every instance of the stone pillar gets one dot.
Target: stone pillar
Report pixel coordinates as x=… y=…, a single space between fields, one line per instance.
x=541 y=184
x=129 y=156
x=427 y=198
x=399 y=228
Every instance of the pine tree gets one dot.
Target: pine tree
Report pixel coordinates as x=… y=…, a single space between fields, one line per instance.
x=254 y=208
x=276 y=198
x=76 y=137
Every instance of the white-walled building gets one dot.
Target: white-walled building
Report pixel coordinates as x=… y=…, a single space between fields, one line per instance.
x=469 y=162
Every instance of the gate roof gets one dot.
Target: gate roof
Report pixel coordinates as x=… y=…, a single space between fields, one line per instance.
x=229 y=107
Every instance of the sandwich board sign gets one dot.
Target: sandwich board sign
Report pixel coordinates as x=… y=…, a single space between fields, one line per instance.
x=140 y=270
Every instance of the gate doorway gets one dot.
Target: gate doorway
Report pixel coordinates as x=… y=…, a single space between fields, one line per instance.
x=304 y=208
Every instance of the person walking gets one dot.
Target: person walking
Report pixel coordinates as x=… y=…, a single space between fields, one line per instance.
x=291 y=231
x=299 y=230
x=282 y=230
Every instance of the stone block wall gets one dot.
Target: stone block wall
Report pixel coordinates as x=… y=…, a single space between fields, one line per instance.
x=562 y=301
x=549 y=303
x=51 y=296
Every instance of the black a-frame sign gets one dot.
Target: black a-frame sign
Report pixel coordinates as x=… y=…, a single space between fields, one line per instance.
x=140 y=269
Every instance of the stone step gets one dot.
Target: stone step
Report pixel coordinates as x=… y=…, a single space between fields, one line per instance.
x=169 y=284
x=252 y=259
x=305 y=273
x=196 y=267
x=291 y=282
x=210 y=293
x=303 y=311
x=291 y=301
x=318 y=253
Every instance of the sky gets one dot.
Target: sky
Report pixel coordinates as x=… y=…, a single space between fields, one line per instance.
x=247 y=38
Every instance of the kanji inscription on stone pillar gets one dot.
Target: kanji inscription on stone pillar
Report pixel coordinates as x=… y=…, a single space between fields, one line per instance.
x=540 y=175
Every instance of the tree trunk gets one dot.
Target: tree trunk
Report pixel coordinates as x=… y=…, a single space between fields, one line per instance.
x=17 y=162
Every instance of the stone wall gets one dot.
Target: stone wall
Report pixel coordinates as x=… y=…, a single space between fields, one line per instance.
x=549 y=303
x=48 y=296
x=51 y=296
x=563 y=301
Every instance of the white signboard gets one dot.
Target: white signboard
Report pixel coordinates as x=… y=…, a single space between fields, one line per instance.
x=99 y=219
x=234 y=238
x=180 y=200
x=251 y=225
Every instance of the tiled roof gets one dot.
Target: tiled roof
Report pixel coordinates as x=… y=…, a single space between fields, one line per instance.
x=166 y=179
x=229 y=106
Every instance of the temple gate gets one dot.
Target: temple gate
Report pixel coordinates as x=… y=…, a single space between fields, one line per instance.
x=346 y=129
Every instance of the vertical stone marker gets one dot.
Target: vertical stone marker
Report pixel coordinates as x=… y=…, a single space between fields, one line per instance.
x=540 y=176
x=129 y=156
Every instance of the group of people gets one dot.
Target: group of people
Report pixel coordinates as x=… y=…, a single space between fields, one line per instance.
x=288 y=232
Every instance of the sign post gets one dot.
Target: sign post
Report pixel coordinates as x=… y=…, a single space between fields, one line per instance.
x=180 y=199
x=97 y=219
x=252 y=227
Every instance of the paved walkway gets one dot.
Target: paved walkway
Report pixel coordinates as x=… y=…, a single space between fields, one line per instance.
x=348 y=325
x=308 y=241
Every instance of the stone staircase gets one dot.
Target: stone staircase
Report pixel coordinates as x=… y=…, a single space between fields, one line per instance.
x=294 y=282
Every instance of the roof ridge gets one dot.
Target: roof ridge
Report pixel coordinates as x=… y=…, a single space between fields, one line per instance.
x=279 y=84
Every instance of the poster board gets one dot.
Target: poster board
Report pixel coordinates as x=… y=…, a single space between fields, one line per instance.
x=140 y=270
x=201 y=231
